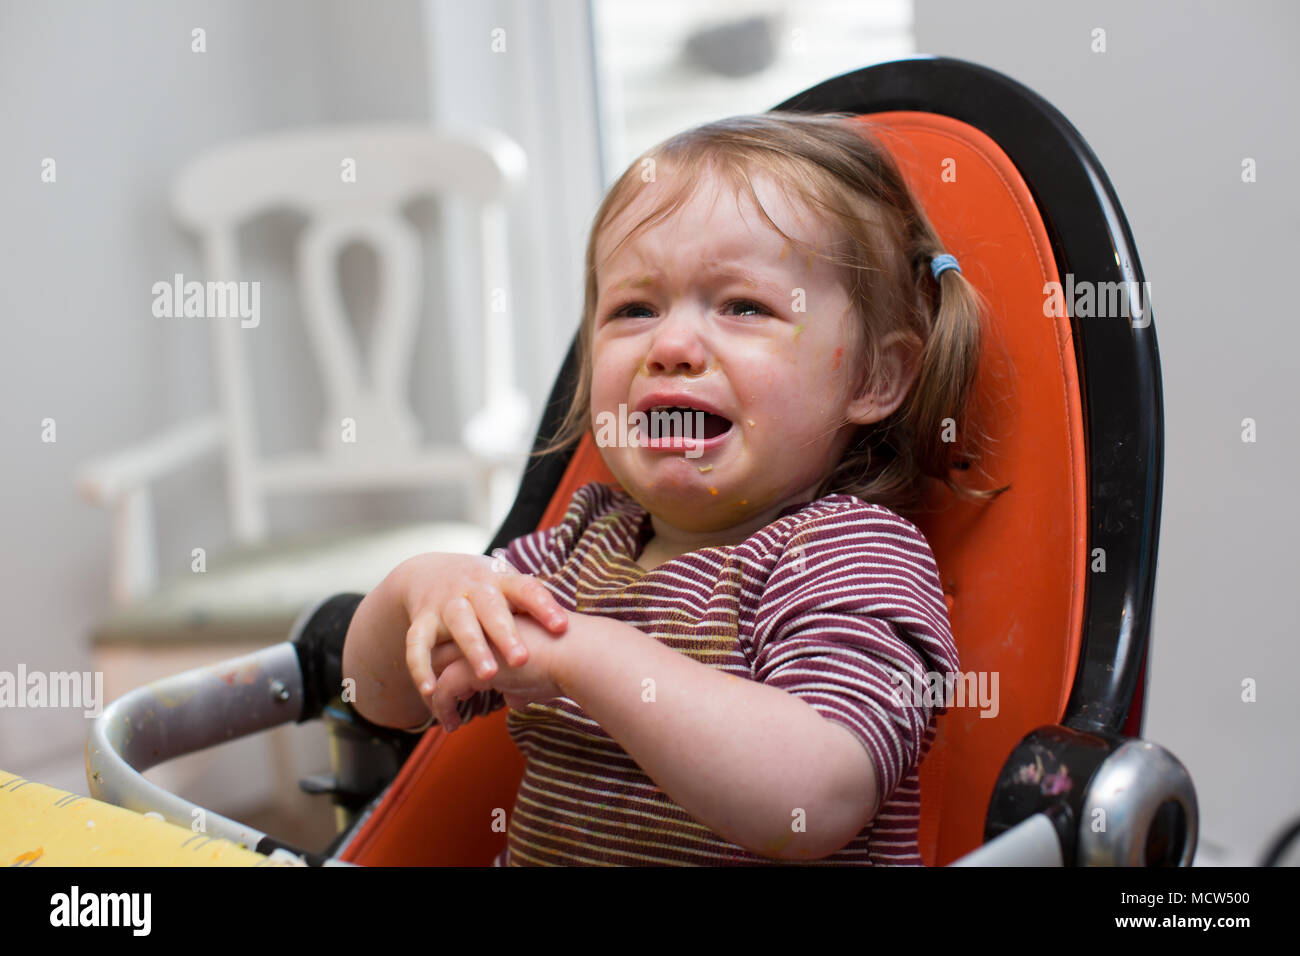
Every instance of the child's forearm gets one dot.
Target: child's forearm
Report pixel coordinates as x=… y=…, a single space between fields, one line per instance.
x=740 y=756
x=374 y=656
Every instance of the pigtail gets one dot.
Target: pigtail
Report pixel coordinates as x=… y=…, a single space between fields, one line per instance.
x=943 y=432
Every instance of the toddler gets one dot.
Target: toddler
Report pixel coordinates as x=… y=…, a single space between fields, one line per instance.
x=712 y=663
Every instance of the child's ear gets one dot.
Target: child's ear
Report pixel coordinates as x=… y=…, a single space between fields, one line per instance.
x=899 y=365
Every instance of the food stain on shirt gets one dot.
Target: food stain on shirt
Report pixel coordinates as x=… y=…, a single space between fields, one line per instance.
x=707 y=611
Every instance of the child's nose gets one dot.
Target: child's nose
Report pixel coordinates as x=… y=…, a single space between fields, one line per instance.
x=677 y=347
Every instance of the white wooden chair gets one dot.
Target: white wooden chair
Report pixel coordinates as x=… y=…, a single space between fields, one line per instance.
x=251 y=597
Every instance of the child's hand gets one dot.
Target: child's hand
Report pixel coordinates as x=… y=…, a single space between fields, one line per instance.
x=460 y=598
x=532 y=680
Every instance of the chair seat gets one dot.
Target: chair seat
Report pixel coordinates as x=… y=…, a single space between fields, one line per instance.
x=255 y=595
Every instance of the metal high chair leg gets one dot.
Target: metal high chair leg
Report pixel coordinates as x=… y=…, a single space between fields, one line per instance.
x=183 y=714
x=1089 y=799
x=206 y=706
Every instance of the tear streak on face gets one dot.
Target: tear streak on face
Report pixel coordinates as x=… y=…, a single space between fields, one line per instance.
x=701 y=307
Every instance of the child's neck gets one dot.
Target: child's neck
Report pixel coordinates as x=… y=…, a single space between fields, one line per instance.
x=669 y=542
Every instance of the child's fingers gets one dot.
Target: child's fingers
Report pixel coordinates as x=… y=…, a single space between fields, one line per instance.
x=419 y=645
x=457 y=682
x=444 y=655
x=498 y=621
x=529 y=594
x=461 y=621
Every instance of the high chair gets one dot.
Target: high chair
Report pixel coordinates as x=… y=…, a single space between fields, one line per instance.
x=1049 y=585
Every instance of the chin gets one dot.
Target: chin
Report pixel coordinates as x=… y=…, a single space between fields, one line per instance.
x=676 y=493
x=689 y=504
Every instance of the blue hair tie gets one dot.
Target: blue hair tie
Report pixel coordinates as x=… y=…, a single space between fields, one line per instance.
x=941 y=264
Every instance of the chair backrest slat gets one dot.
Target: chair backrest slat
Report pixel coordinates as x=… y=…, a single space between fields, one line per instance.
x=352 y=183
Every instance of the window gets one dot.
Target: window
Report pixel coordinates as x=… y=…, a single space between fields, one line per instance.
x=665 y=66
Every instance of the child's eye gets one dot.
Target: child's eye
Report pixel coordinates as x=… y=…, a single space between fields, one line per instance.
x=749 y=306
x=623 y=312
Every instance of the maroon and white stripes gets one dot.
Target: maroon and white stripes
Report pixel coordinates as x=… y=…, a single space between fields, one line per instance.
x=832 y=602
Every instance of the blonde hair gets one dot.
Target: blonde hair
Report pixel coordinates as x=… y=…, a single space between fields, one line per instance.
x=842 y=170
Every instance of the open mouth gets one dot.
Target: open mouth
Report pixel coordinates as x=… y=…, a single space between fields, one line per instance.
x=683 y=422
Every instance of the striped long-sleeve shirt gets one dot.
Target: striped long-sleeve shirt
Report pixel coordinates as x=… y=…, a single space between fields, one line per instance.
x=836 y=602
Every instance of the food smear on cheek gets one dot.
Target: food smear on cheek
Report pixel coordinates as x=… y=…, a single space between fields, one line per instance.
x=839 y=354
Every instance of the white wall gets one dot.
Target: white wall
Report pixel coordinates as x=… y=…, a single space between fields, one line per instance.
x=1182 y=94
x=113 y=93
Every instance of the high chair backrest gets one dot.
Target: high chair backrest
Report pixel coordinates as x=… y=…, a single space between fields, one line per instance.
x=1068 y=551
x=351 y=183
